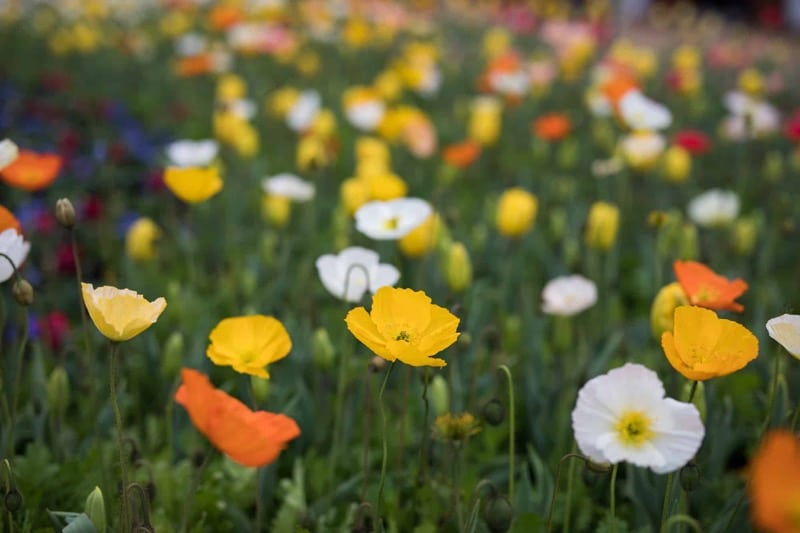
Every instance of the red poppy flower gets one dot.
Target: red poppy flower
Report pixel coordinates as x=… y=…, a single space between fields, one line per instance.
x=32 y=171
x=792 y=127
x=694 y=141
x=706 y=288
x=250 y=438
x=552 y=126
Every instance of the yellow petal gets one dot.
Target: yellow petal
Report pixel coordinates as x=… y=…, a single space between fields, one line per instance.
x=736 y=347
x=410 y=355
x=441 y=331
x=395 y=310
x=696 y=333
x=362 y=327
x=668 y=344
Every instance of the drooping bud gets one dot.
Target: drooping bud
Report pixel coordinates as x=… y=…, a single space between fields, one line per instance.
x=602 y=226
x=23 y=292
x=65 y=213
x=498 y=514
x=13 y=500
x=493 y=412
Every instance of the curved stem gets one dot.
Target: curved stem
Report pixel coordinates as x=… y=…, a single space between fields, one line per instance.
x=378 y=522
x=612 y=496
x=683 y=519
x=511 y=430
x=113 y=376
x=548 y=527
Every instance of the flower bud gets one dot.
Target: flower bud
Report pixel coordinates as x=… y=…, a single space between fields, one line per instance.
x=498 y=514
x=377 y=364
x=95 y=509
x=260 y=388
x=493 y=412
x=459 y=268
x=512 y=333
x=663 y=309
x=23 y=292
x=689 y=476
x=57 y=391
x=173 y=351
x=322 y=349
x=602 y=226
x=440 y=395
x=558 y=223
x=688 y=245
x=276 y=209
x=745 y=234
x=13 y=500
x=65 y=213
x=677 y=164
x=516 y=212
x=598 y=468
x=423 y=238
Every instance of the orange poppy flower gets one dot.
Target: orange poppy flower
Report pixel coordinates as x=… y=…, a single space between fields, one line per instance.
x=194 y=65
x=32 y=171
x=706 y=288
x=222 y=17
x=250 y=438
x=461 y=155
x=552 y=126
x=615 y=88
x=503 y=64
x=8 y=220
x=775 y=483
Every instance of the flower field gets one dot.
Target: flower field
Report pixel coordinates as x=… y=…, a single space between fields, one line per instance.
x=354 y=266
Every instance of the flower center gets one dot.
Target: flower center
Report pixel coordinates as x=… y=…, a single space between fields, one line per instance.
x=705 y=294
x=391 y=223
x=633 y=428
x=403 y=336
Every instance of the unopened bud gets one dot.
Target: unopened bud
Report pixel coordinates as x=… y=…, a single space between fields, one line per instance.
x=322 y=348
x=57 y=391
x=598 y=468
x=23 y=292
x=65 y=213
x=440 y=395
x=172 y=354
x=260 y=388
x=95 y=509
x=688 y=246
x=493 y=412
x=498 y=514
x=459 y=268
x=12 y=500
x=512 y=333
x=376 y=364
x=690 y=476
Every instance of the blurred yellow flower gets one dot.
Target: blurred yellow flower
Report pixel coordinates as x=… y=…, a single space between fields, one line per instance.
x=354 y=193
x=423 y=238
x=356 y=33
x=404 y=325
x=602 y=226
x=456 y=428
x=496 y=42
x=662 y=313
x=751 y=82
x=141 y=238
x=120 y=314
x=703 y=346
x=373 y=148
x=516 y=212
x=677 y=164
x=249 y=343
x=312 y=153
x=280 y=101
x=485 y=120
x=231 y=87
x=276 y=209
x=386 y=186
x=244 y=139
x=192 y=184
x=307 y=63
x=458 y=271
x=388 y=85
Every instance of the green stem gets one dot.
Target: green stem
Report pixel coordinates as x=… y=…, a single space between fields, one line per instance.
x=113 y=376
x=684 y=519
x=455 y=494
x=17 y=376
x=555 y=490
x=193 y=484
x=665 y=505
x=735 y=511
x=423 y=452
x=88 y=362
x=612 y=505
x=772 y=389
x=511 y=430
x=385 y=446
x=692 y=391
x=259 y=497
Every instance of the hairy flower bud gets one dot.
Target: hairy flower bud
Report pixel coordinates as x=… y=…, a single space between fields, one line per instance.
x=65 y=213
x=23 y=292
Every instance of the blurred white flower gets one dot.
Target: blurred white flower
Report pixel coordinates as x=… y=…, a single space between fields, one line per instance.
x=514 y=83
x=189 y=153
x=641 y=113
x=750 y=117
x=785 y=329
x=568 y=295
x=289 y=186
x=15 y=248
x=714 y=208
x=304 y=110
x=641 y=149
x=430 y=82
x=191 y=44
x=624 y=416
x=353 y=271
x=393 y=219
x=243 y=108
x=8 y=152
x=365 y=114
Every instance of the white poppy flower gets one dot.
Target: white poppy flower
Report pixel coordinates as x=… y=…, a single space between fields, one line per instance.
x=750 y=117
x=8 y=152
x=641 y=149
x=510 y=83
x=785 y=329
x=624 y=416
x=714 y=208
x=15 y=248
x=304 y=110
x=393 y=219
x=430 y=83
x=188 y=153
x=288 y=186
x=568 y=295
x=191 y=44
x=353 y=271
x=365 y=114
x=641 y=113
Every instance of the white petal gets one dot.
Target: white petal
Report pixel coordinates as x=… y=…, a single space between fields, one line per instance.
x=289 y=186
x=328 y=271
x=385 y=276
x=679 y=444
x=785 y=329
x=304 y=111
x=8 y=152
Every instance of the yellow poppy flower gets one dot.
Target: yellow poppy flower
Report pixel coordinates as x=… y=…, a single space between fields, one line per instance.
x=602 y=226
x=120 y=314
x=703 y=346
x=403 y=324
x=516 y=212
x=423 y=238
x=193 y=185
x=141 y=238
x=249 y=343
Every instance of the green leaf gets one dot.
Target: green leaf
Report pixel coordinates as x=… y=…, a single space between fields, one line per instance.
x=80 y=524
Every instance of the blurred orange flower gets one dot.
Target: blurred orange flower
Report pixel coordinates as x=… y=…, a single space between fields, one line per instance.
x=8 y=220
x=706 y=288
x=615 y=88
x=461 y=155
x=194 y=65
x=775 y=483
x=702 y=346
x=552 y=126
x=223 y=17
x=32 y=171
x=250 y=438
